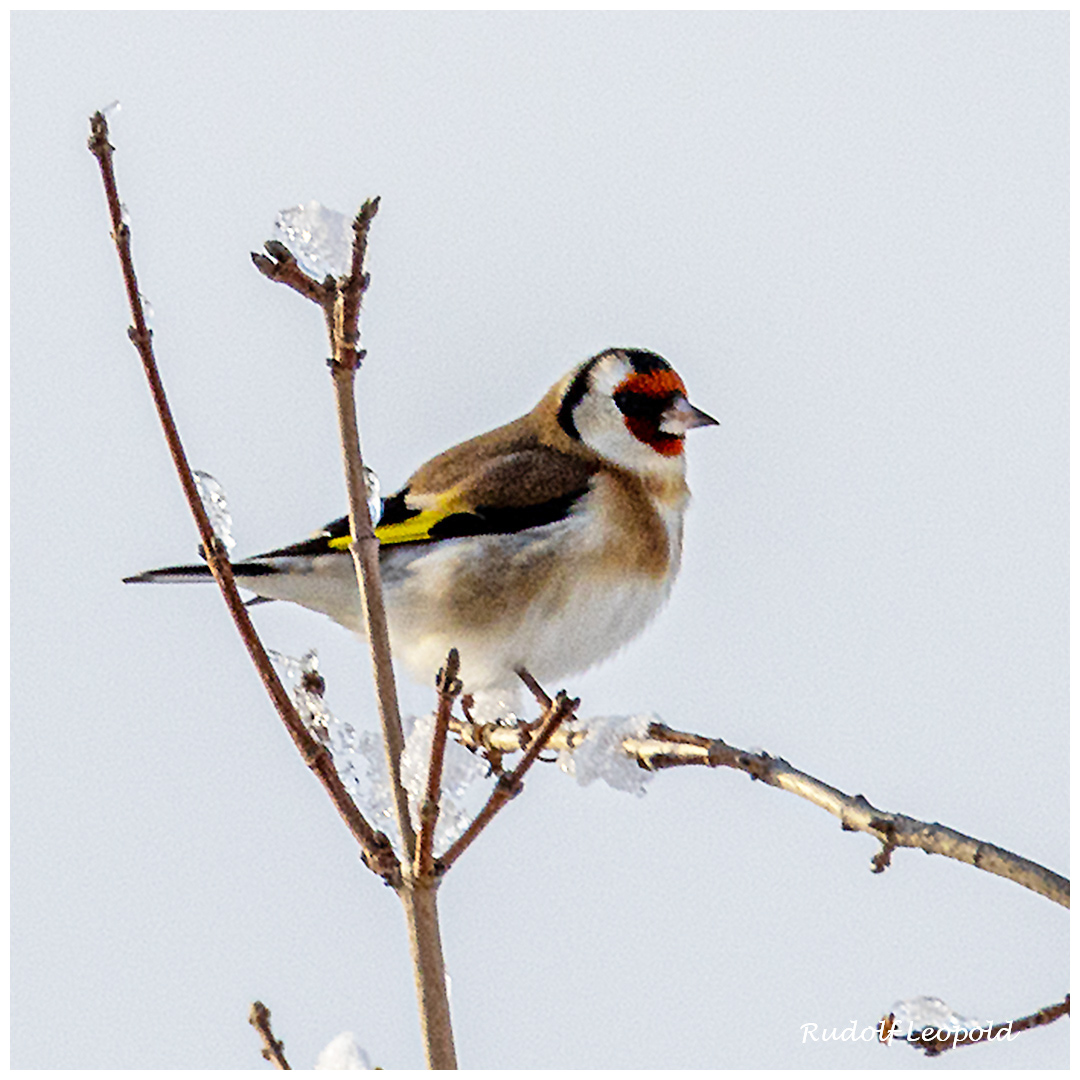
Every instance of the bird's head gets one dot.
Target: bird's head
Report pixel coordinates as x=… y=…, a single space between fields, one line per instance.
x=631 y=408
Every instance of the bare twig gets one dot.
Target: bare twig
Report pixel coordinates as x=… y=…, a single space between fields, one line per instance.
x=341 y=301
x=933 y=1041
x=273 y=1050
x=377 y=851
x=665 y=748
x=354 y=287
x=282 y=267
x=449 y=687
x=364 y=546
x=509 y=785
x=857 y=814
x=535 y=688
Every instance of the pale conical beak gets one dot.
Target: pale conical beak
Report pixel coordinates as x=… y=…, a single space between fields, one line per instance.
x=680 y=416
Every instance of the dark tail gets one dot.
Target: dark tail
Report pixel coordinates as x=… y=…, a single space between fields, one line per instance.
x=170 y=575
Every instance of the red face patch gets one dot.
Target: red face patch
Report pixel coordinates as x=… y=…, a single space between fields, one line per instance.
x=660 y=383
x=642 y=397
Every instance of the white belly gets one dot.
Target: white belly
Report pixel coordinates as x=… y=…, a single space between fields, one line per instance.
x=553 y=636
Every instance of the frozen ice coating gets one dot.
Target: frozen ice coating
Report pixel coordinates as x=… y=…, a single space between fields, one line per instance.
x=370 y=786
x=490 y=706
x=337 y=736
x=374 y=498
x=914 y=1014
x=461 y=770
x=343 y=1052
x=319 y=238
x=216 y=507
x=601 y=755
x=360 y=759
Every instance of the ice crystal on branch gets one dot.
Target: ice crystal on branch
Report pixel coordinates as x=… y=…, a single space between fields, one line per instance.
x=917 y=1013
x=320 y=239
x=216 y=507
x=307 y=690
x=343 y=1052
x=373 y=490
x=360 y=759
x=600 y=756
x=461 y=770
x=497 y=704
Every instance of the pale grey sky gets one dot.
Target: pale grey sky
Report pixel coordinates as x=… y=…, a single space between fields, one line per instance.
x=849 y=233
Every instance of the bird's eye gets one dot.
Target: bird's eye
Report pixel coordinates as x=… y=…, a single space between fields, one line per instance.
x=636 y=405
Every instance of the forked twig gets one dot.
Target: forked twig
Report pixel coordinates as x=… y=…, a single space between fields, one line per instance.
x=377 y=851
x=509 y=785
x=341 y=302
x=341 y=307
x=273 y=1049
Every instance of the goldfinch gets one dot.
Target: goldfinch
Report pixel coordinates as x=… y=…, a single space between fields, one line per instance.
x=548 y=543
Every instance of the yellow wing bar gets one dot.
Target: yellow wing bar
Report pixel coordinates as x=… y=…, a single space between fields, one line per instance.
x=415 y=529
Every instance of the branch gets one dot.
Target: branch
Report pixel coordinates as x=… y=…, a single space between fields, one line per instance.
x=353 y=288
x=282 y=267
x=377 y=852
x=273 y=1050
x=933 y=1041
x=341 y=302
x=857 y=814
x=509 y=785
x=666 y=748
x=449 y=686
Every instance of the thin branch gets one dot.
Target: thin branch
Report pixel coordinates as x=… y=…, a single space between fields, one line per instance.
x=857 y=814
x=341 y=307
x=666 y=748
x=535 y=688
x=341 y=302
x=273 y=1050
x=449 y=686
x=283 y=268
x=354 y=287
x=509 y=785
x=377 y=852
x=364 y=546
x=933 y=1041
x=420 y=900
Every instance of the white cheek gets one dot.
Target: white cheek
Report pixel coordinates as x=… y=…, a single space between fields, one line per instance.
x=604 y=429
x=602 y=426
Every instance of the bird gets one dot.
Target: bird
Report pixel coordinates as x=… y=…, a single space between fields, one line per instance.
x=546 y=544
